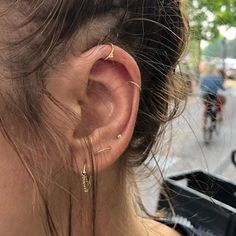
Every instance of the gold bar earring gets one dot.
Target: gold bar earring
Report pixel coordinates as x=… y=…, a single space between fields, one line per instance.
x=102 y=150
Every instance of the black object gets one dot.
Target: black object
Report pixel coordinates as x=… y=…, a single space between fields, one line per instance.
x=207 y=201
x=233 y=157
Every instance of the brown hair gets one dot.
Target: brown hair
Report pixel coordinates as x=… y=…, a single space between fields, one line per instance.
x=154 y=32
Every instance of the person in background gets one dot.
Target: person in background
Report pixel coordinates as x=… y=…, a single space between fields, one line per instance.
x=87 y=89
x=221 y=98
x=211 y=83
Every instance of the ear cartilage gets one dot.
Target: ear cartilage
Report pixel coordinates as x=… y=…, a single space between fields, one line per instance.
x=135 y=84
x=111 y=54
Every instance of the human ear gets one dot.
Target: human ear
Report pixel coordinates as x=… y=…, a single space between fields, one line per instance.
x=106 y=82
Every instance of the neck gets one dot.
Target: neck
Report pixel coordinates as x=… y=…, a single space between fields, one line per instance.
x=116 y=214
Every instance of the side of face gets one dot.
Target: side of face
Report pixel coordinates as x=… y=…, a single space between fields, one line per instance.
x=97 y=92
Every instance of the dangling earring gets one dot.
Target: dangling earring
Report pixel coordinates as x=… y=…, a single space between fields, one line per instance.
x=86 y=180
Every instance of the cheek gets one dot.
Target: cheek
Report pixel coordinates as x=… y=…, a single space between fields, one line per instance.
x=16 y=195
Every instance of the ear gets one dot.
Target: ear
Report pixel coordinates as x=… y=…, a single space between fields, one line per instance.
x=108 y=93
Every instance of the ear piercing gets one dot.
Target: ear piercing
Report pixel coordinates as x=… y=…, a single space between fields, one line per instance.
x=102 y=150
x=135 y=84
x=111 y=54
x=86 y=180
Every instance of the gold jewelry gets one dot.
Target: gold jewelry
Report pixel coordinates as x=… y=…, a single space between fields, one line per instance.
x=119 y=136
x=86 y=180
x=102 y=150
x=134 y=83
x=111 y=54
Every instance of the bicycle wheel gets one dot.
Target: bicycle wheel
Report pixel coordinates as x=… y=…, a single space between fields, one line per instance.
x=207 y=131
x=218 y=123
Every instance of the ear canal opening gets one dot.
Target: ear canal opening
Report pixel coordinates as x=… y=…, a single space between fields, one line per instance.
x=96 y=111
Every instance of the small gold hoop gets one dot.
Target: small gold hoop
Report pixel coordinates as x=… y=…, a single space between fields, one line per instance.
x=111 y=54
x=135 y=84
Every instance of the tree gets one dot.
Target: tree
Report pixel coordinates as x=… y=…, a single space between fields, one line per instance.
x=205 y=17
x=225 y=12
x=214 y=49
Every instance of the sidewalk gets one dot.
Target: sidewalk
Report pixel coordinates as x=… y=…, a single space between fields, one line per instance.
x=230 y=83
x=188 y=151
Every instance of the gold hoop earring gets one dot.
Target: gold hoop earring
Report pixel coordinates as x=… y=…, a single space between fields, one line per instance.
x=135 y=84
x=111 y=54
x=86 y=180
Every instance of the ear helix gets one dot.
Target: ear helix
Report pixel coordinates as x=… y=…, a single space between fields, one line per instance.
x=111 y=56
x=135 y=84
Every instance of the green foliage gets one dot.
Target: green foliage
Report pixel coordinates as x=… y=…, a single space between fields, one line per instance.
x=215 y=48
x=207 y=15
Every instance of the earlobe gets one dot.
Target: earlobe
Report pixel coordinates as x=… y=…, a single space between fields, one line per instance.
x=110 y=111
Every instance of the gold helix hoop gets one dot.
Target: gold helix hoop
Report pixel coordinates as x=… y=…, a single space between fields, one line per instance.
x=111 y=54
x=135 y=84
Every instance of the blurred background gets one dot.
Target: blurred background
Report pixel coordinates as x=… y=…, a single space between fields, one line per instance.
x=213 y=40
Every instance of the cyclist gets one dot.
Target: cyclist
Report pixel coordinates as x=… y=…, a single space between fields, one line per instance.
x=211 y=83
x=221 y=100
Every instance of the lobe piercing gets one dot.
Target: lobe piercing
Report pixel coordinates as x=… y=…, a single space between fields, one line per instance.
x=86 y=180
x=102 y=150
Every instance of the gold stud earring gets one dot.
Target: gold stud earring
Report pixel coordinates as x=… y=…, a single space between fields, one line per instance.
x=119 y=136
x=111 y=54
x=86 y=180
x=135 y=84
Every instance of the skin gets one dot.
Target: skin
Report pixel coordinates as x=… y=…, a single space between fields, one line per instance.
x=114 y=111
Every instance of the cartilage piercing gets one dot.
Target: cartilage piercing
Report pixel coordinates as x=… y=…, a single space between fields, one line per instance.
x=111 y=54
x=135 y=84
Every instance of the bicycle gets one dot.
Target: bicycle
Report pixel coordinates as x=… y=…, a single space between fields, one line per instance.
x=212 y=118
x=208 y=129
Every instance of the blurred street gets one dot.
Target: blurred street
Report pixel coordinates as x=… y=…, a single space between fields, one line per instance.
x=188 y=151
